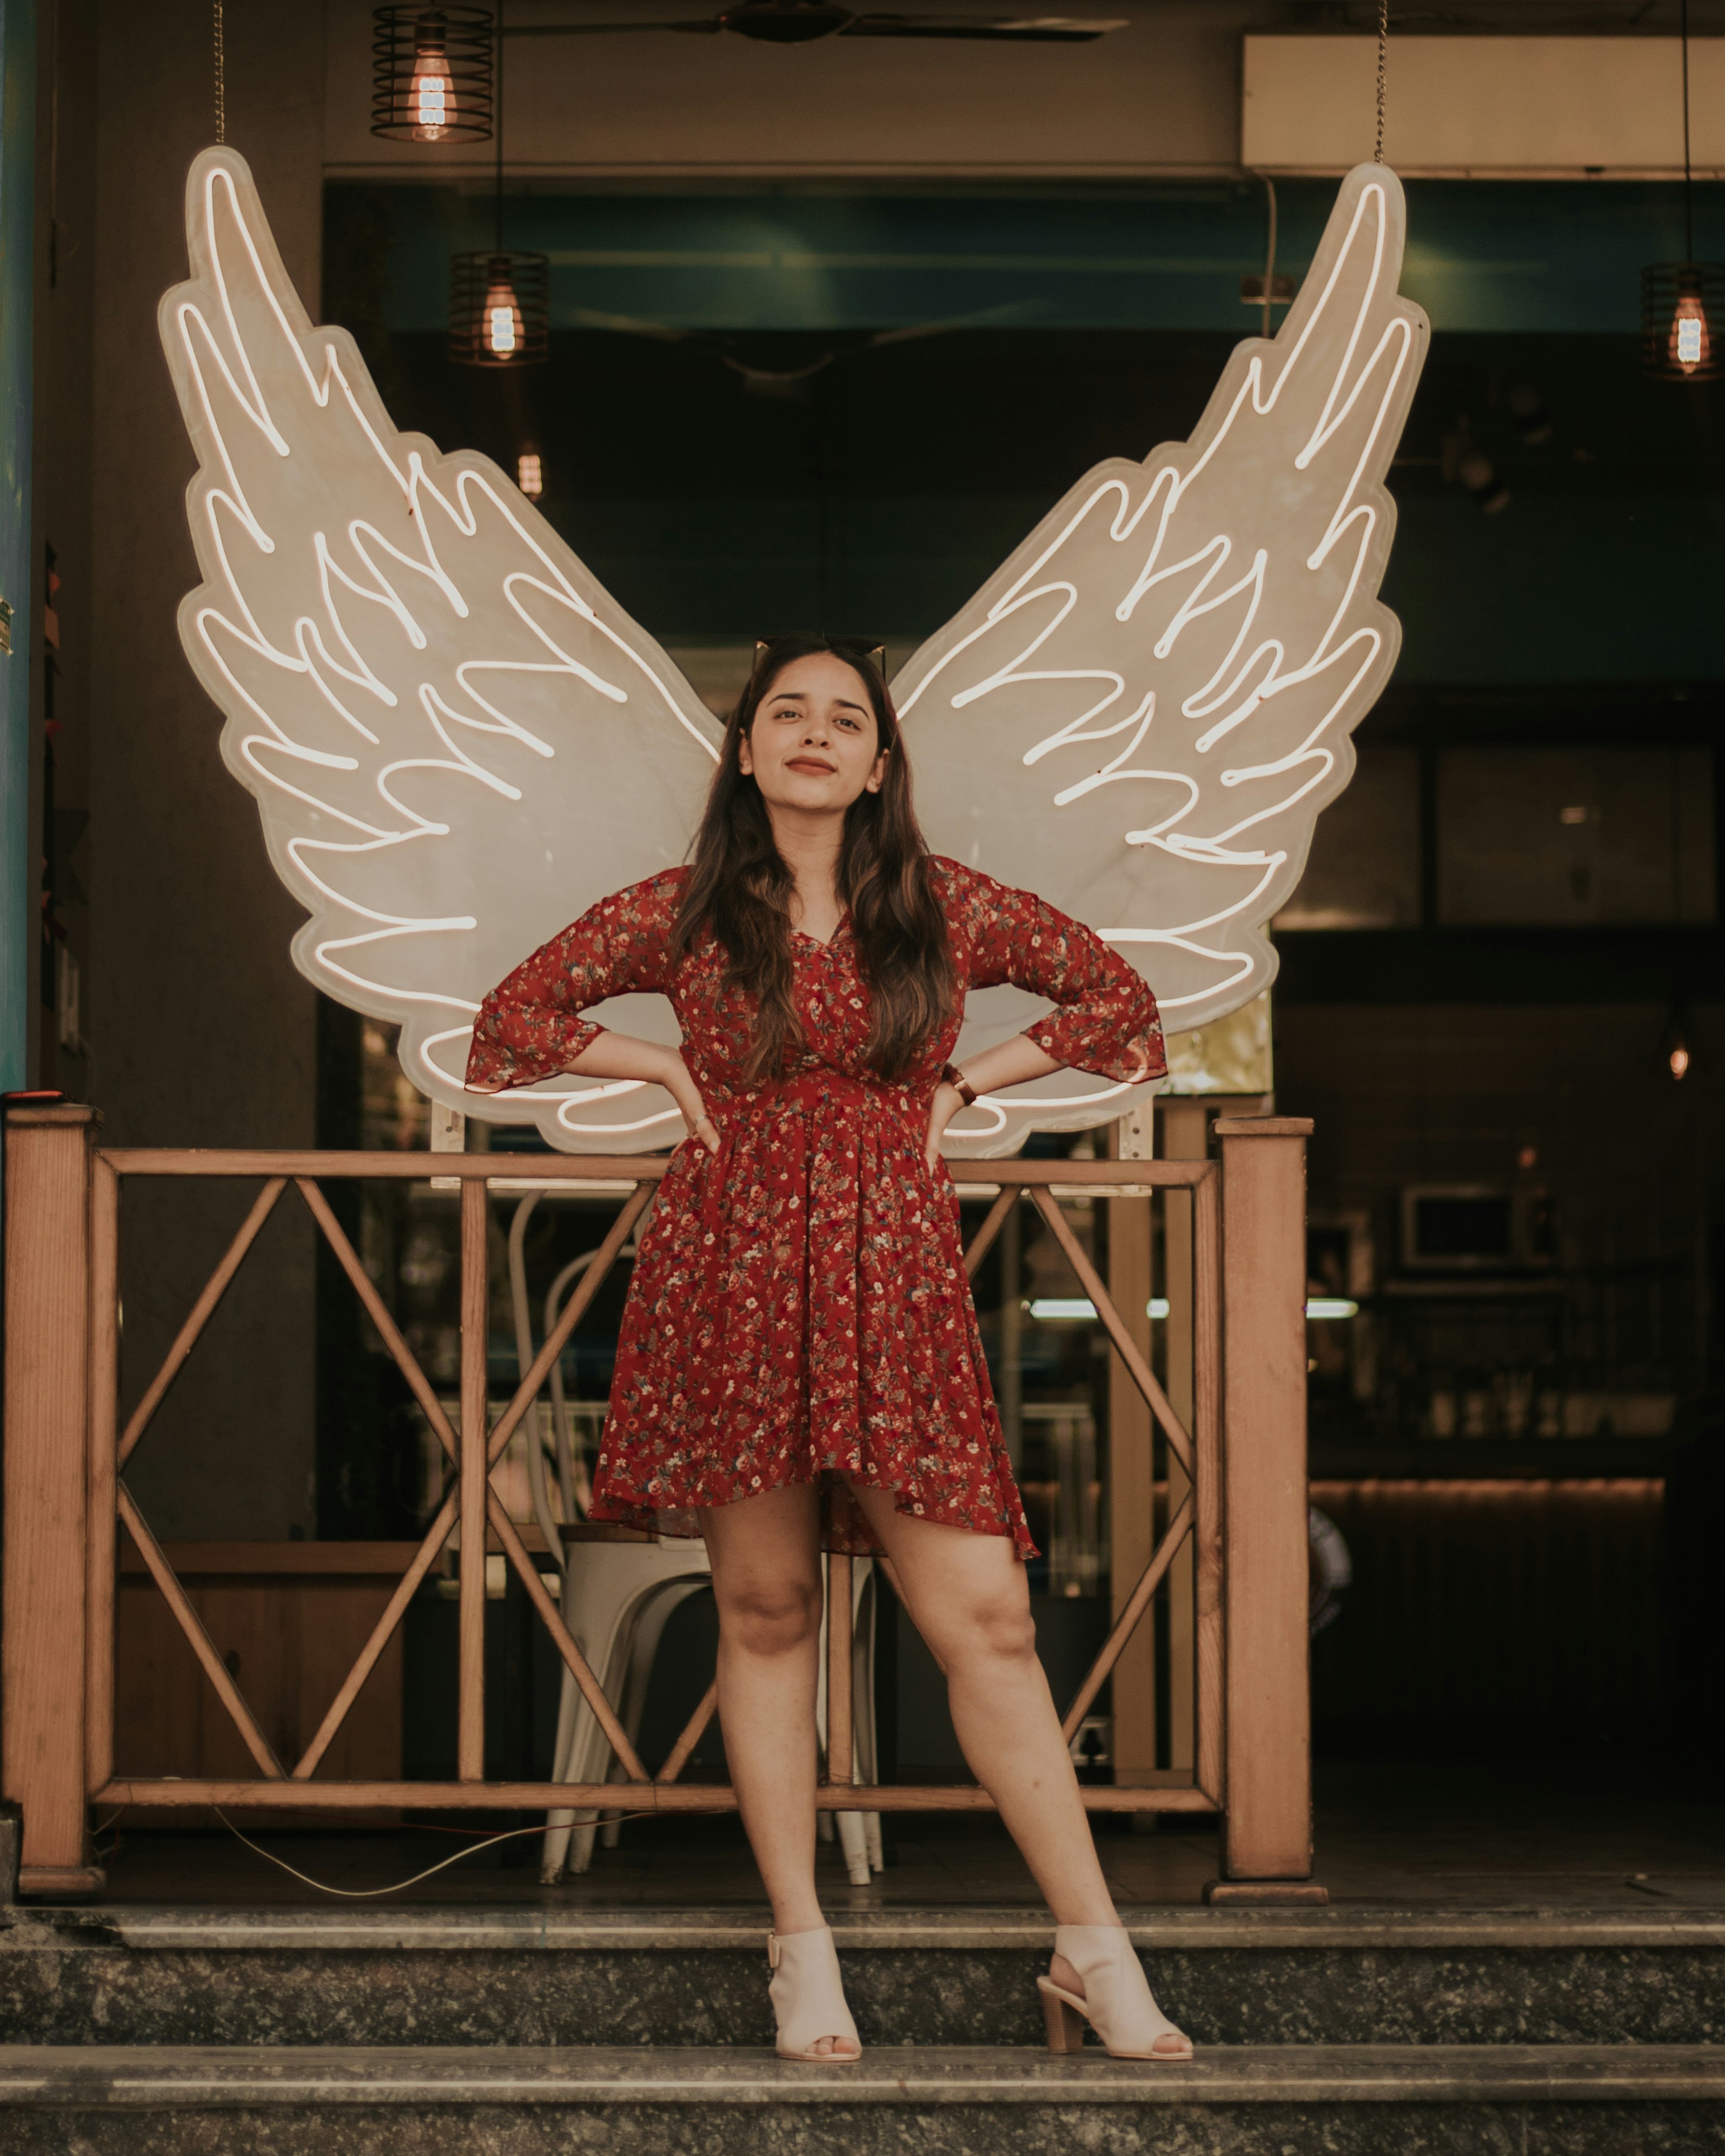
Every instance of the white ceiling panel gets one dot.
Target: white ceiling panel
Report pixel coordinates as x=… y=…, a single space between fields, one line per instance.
x=1562 y=108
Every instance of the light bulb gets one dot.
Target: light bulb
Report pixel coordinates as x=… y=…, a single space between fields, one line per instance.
x=431 y=101
x=530 y=475
x=1679 y=1061
x=503 y=331
x=1690 y=345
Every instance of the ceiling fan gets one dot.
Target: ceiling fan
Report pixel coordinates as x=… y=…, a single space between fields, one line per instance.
x=800 y=21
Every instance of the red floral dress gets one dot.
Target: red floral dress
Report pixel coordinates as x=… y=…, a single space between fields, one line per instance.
x=799 y=1310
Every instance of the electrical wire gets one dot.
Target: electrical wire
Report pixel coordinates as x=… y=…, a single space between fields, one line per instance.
x=371 y=1894
x=497 y=130
x=1688 y=174
x=220 y=57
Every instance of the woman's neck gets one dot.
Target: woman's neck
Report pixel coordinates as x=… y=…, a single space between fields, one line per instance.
x=810 y=847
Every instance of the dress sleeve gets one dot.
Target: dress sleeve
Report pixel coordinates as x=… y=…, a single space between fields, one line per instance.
x=1106 y=1022
x=530 y=1026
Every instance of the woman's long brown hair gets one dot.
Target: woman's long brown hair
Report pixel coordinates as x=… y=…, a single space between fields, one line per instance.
x=740 y=888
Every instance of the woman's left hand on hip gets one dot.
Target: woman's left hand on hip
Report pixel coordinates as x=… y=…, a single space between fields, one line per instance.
x=946 y=1102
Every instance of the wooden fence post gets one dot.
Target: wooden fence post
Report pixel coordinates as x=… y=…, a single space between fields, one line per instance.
x=47 y=1400
x=1134 y=1528
x=476 y=1479
x=1266 y=1834
x=1185 y=1136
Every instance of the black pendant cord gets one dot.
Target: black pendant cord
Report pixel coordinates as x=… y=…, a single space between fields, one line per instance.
x=219 y=58
x=1383 y=72
x=1688 y=178
x=497 y=136
x=1269 y=250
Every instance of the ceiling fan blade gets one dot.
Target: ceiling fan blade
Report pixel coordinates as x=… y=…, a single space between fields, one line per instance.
x=705 y=26
x=1006 y=30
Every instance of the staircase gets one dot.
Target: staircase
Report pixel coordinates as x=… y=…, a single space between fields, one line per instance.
x=268 y=2032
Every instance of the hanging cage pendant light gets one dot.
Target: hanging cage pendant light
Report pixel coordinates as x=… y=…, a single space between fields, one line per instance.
x=1682 y=318
x=432 y=73
x=1683 y=303
x=500 y=301
x=499 y=309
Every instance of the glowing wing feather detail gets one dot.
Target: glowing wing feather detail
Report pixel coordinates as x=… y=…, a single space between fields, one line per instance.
x=456 y=739
x=1142 y=714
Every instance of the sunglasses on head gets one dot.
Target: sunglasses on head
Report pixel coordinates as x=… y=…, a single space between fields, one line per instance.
x=874 y=652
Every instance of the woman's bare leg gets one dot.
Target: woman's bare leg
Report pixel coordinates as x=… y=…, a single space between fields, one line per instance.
x=969 y=1598
x=766 y=1559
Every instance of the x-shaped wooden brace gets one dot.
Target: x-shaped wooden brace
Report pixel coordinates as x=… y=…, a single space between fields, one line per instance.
x=442 y=1526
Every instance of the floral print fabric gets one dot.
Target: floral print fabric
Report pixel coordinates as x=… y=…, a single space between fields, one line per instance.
x=799 y=1310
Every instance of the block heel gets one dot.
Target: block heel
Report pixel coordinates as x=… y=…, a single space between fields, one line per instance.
x=1062 y=2020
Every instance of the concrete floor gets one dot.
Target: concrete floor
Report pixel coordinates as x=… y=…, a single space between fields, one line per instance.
x=1582 y=1832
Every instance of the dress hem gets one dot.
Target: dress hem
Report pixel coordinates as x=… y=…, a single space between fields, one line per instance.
x=841 y=1536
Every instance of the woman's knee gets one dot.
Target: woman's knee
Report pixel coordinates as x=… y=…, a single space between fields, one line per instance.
x=770 y=1616
x=994 y=1627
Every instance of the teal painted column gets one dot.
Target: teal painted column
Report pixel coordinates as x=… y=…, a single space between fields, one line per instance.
x=18 y=923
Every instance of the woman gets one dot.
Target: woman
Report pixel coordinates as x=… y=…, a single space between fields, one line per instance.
x=799 y=1363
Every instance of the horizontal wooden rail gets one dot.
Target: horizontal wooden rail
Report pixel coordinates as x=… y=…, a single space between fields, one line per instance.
x=607 y=1796
x=388 y=1166
x=1132 y=1176
x=618 y=1168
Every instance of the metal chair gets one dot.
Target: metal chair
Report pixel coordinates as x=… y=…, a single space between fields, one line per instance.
x=619 y=1589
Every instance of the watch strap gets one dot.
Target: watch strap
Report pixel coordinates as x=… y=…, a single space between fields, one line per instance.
x=956 y=1078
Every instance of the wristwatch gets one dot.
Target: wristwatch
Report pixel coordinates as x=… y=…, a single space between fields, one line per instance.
x=956 y=1078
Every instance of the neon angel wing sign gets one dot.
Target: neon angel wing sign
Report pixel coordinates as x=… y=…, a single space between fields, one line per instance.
x=1142 y=713
x=457 y=740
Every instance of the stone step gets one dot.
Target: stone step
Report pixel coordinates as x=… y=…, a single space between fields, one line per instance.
x=665 y=1977
x=1442 y=2099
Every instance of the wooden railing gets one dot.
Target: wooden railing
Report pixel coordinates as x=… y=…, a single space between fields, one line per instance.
x=1244 y=1509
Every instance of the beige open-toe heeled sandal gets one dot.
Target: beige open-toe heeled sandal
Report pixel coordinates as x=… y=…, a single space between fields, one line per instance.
x=808 y=1995
x=1117 y=2002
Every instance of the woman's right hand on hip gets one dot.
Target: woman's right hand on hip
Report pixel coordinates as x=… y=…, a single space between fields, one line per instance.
x=679 y=1083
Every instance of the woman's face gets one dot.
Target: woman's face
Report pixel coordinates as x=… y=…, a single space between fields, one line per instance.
x=815 y=744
